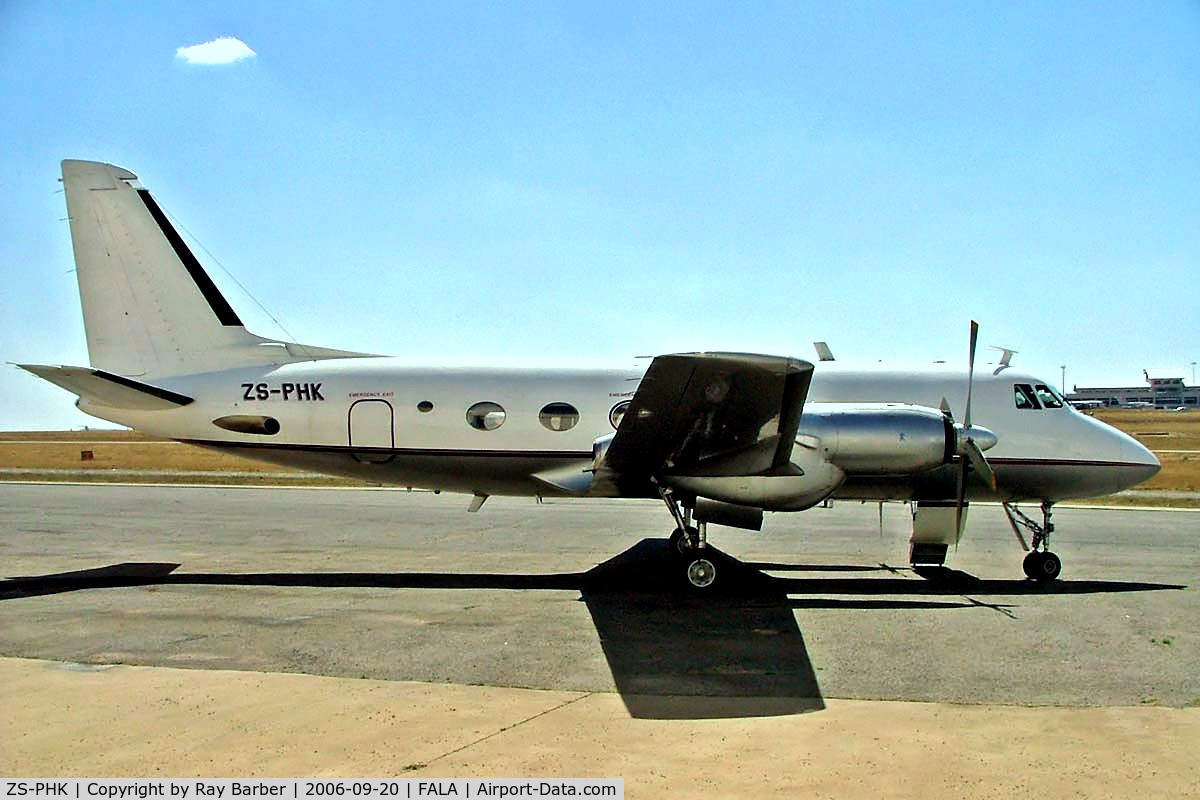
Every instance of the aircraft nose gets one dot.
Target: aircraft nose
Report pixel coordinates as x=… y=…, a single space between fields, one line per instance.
x=1141 y=463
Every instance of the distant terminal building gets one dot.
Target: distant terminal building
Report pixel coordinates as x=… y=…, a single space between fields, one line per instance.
x=1164 y=388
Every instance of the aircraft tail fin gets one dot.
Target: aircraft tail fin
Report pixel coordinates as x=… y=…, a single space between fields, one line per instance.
x=149 y=308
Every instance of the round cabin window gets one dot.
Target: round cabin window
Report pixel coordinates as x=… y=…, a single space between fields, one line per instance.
x=485 y=416
x=559 y=416
x=424 y=406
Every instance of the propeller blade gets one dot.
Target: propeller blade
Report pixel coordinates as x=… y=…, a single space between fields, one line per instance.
x=961 y=495
x=971 y=371
x=970 y=455
x=979 y=463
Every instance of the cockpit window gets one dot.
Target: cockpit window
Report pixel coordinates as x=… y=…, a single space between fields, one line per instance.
x=1048 y=396
x=1023 y=395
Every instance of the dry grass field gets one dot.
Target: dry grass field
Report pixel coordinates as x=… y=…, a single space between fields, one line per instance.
x=129 y=456
x=1174 y=438
x=121 y=455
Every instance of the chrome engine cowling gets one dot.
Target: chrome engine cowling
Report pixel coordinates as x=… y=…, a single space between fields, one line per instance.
x=880 y=439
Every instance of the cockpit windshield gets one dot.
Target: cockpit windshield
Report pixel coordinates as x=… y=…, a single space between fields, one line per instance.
x=1023 y=395
x=1048 y=396
x=1028 y=396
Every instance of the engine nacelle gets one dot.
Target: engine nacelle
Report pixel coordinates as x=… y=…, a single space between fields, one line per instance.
x=811 y=480
x=600 y=449
x=834 y=440
x=578 y=478
x=879 y=439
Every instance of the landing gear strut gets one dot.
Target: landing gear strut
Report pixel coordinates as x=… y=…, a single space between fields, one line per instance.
x=689 y=545
x=1040 y=564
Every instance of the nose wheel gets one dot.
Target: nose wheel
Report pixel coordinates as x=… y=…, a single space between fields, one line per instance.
x=1040 y=564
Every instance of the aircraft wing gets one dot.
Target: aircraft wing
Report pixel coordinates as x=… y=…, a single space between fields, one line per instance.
x=107 y=389
x=711 y=414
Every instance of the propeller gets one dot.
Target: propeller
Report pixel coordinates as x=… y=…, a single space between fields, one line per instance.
x=972 y=441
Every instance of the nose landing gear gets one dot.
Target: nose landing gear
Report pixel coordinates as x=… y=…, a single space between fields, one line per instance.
x=1040 y=564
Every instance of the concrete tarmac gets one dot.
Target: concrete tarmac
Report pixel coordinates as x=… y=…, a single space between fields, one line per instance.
x=579 y=599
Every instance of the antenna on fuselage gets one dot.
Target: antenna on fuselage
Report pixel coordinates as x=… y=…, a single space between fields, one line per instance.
x=823 y=351
x=1006 y=354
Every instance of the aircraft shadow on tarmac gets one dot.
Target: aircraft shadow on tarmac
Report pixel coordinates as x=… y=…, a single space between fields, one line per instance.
x=735 y=652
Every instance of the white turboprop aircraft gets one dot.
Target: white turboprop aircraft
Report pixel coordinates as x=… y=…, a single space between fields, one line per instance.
x=720 y=437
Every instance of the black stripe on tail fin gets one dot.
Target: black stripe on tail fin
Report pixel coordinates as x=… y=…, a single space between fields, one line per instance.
x=216 y=301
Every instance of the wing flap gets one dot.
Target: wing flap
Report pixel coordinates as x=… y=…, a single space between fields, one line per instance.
x=712 y=414
x=106 y=389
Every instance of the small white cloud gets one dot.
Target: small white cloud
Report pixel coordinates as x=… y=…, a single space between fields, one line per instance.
x=224 y=50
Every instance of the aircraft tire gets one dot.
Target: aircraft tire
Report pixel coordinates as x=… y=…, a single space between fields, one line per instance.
x=683 y=546
x=1042 y=566
x=700 y=574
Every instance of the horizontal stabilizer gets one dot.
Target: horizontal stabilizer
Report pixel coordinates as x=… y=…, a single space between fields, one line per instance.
x=103 y=388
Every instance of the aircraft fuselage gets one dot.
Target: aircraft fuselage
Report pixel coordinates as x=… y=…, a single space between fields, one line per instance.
x=377 y=420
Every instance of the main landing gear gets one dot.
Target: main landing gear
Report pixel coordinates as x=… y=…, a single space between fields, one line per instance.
x=1040 y=564
x=689 y=546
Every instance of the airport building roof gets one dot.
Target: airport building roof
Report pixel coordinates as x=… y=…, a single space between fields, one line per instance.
x=1162 y=388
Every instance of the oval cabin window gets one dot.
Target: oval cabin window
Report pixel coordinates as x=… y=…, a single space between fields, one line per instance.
x=485 y=416
x=559 y=416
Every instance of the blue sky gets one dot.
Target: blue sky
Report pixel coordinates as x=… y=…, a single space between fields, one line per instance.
x=569 y=184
